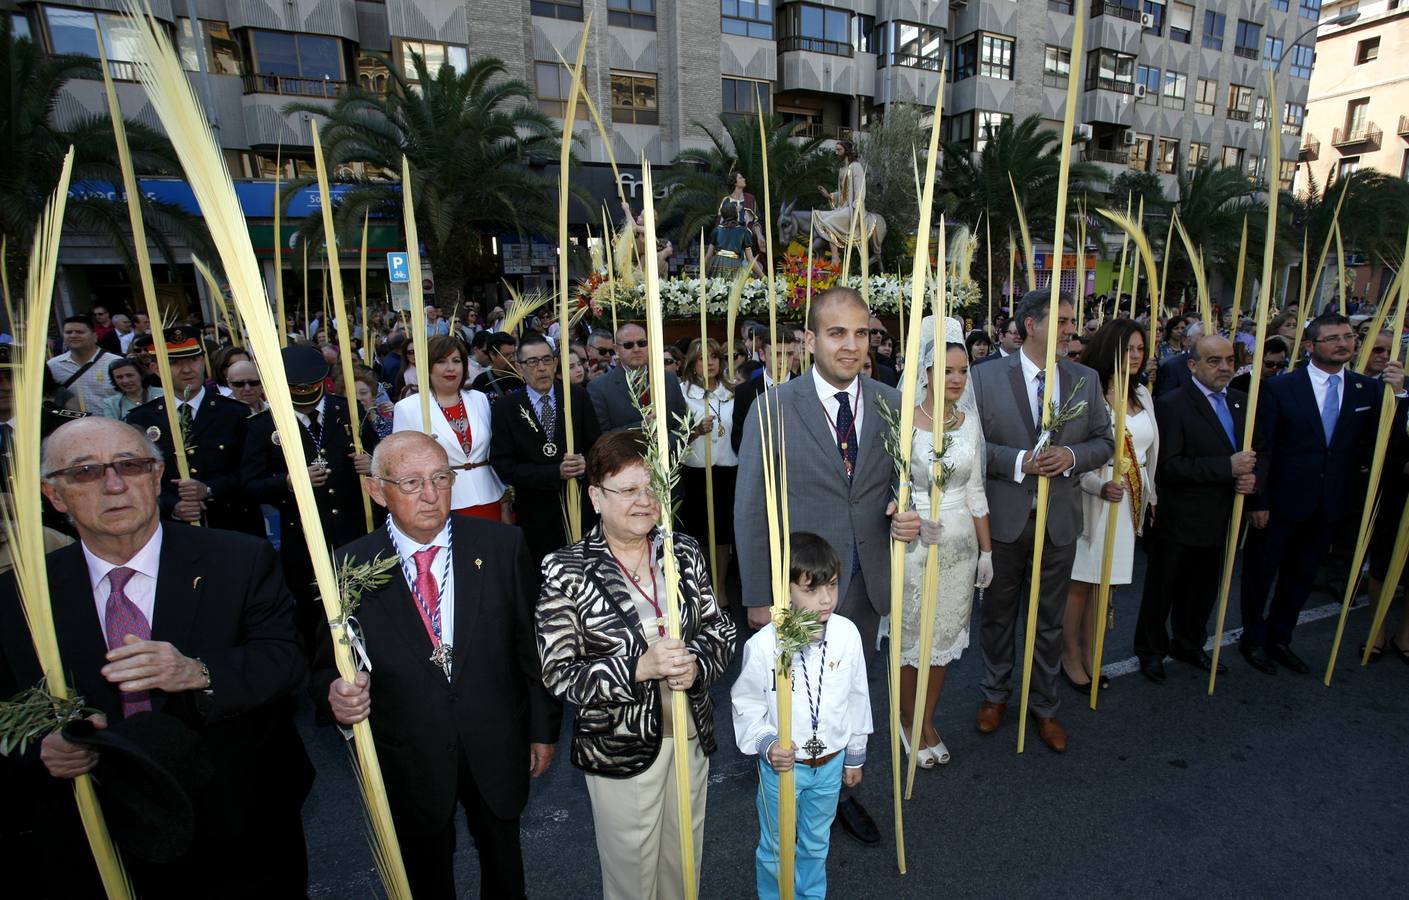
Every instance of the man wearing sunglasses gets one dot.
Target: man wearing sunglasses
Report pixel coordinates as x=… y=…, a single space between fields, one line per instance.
x=458 y=709
x=1274 y=362
x=611 y=394
x=164 y=627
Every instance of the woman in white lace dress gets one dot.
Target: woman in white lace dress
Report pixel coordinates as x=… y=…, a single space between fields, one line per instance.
x=961 y=528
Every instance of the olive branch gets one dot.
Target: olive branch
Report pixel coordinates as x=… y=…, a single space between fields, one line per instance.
x=34 y=714
x=1060 y=415
x=795 y=629
x=664 y=473
x=354 y=580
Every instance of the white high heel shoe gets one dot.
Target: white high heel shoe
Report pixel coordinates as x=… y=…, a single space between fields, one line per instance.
x=923 y=758
x=938 y=755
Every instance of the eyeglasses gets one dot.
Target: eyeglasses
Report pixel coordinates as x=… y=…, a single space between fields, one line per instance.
x=1346 y=338
x=1272 y=364
x=672 y=361
x=633 y=345
x=251 y=383
x=537 y=361
x=91 y=472
x=413 y=484
x=879 y=331
x=606 y=351
x=631 y=495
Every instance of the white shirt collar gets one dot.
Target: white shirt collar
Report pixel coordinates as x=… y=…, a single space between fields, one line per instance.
x=1207 y=391
x=536 y=397
x=145 y=561
x=1030 y=368
x=826 y=391
x=195 y=400
x=400 y=540
x=1320 y=377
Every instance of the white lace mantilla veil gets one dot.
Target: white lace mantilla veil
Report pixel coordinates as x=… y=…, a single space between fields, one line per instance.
x=953 y=334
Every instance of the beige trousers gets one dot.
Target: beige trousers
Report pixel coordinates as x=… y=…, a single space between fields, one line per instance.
x=638 y=832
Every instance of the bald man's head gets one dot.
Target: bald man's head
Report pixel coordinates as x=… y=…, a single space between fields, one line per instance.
x=395 y=447
x=1211 y=360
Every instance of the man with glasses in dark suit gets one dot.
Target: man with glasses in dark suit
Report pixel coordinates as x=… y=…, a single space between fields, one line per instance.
x=611 y=393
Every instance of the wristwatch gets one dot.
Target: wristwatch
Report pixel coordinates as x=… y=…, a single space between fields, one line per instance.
x=208 y=690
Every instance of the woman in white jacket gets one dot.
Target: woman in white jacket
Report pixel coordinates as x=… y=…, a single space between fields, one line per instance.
x=1129 y=493
x=460 y=424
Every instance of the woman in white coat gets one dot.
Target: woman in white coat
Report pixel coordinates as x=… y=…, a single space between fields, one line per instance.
x=1130 y=494
x=460 y=424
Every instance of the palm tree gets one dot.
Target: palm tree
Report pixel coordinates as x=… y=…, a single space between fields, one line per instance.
x=976 y=184
x=697 y=177
x=473 y=140
x=34 y=140
x=1373 y=216
x=1212 y=203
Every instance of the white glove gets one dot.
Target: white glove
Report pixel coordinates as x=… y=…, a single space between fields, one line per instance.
x=930 y=531
x=984 y=577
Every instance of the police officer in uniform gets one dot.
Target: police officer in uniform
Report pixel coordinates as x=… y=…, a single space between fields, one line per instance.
x=214 y=429
x=334 y=468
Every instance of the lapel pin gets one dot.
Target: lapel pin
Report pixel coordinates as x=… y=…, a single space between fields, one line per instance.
x=153 y=433
x=479 y=564
x=197 y=583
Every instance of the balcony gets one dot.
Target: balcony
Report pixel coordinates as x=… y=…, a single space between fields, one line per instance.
x=1055 y=80
x=819 y=130
x=1065 y=7
x=1310 y=148
x=1404 y=126
x=813 y=45
x=1247 y=53
x=1114 y=157
x=1368 y=133
x=290 y=86
x=909 y=61
x=1110 y=84
x=1239 y=115
x=1120 y=12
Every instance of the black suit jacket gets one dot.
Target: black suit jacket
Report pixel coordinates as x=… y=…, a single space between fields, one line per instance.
x=516 y=452
x=496 y=385
x=1307 y=477
x=1195 y=474
x=1173 y=373
x=219 y=598
x=744 y=395
x=214 y=452
x=494 y=705
x=615 y=411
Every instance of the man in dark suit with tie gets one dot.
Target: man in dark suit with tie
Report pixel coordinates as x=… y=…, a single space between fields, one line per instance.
x=1010 y=341
x=160 y=619
x=611 y=394
x=214 y=427
x=461 y=715
x=1174 y=372
x=528 y=448
x=1316 y=428
x=1200 y=470
x=790 y=342
x=335 y=471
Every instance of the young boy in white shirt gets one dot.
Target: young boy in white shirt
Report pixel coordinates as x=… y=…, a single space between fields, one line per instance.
x=830 y=724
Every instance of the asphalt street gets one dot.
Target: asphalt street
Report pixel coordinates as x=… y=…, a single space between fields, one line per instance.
x=1274 y=786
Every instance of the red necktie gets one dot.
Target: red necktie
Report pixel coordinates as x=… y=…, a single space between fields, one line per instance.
x=428 y=592
x=121 y=618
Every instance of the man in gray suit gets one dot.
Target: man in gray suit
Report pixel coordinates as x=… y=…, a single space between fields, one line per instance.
x=611 y=395
x=1010 y=394
x=839 y=481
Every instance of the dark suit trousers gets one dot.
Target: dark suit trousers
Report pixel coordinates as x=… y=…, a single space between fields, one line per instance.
x=430 y=859
x=1290 y=553
x=1181 y=588
x=1005 y=598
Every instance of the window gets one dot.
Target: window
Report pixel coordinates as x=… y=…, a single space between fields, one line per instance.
x=435 y=55
x=1272 y=52
x=553 y=82
x=1357 y=114
x=1214 y=26
x=19 y=26
x=1282 y=5
x=965 y=59
x=958 y=129
x=1123 y=9
x=918 y=47
x=1302 y=57
x=748 y=18
x=1149 y=78
x=1181 y=22
x=76 y=31
x=1293 y=117
x=1168 y=160
x=1205 y=96
x=373 y=74
x=1155 y=10
x=815 y=29
x=1139 y=158
x=569 y=10
x=1311 y=9
x=1176 y=87
x=996 y=57
x=1232 y=157
x=1347 y=167
x=222 y=53
x=863 y=34
x=1108 y=70
x=1253 y=168
x=1198 y=155
x=1367 y=50
x=1239 y=102
x=634 y=99
x=988 y=125
x=743 y=97
x=1056 y=66
x=309 y=65
x=1286 y=174
x=1248 y=40
x=1259 y=114
x=632 y=14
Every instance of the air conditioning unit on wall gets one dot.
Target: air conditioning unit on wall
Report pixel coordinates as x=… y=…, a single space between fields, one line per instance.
x=1081 y=132
x=1140 y=91
x=1127 y=137
x=1147 y=20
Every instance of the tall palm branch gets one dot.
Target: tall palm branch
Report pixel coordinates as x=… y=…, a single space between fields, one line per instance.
x=477 y=147
x=1373 y=216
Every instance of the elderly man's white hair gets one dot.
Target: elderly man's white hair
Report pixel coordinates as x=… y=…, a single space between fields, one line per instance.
x=399 y=442
x=48 y=451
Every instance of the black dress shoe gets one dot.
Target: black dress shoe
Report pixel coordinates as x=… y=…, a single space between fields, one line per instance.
x=1152 y=668
x=1284 y=655
x=1257 y=658
x=857 y=822
x=1202 y=660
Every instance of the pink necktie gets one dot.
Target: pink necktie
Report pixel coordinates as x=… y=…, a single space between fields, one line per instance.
x=429 y=593
x=122 y=617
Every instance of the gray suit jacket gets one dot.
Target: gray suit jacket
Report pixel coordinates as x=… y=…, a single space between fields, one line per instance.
x=1006 y=416
x=612 y=403
x=820 y=499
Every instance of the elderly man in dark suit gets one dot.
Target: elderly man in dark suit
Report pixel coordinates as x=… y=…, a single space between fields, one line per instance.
x=1316 y=428
x=160 y=619
x=1011 y=395
x=1174 y=372
x=462 y=717
x=839 y=481
x=1200 y=471
x=611 y=394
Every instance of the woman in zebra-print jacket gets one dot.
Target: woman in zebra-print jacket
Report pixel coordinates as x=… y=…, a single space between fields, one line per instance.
x=601 y=640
